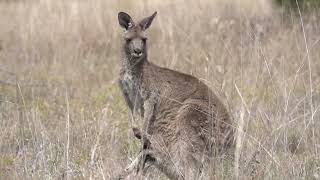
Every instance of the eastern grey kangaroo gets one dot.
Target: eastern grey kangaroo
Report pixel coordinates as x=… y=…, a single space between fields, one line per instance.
x=184 y=123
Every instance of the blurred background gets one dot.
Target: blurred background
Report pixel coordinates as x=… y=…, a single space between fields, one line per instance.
x=62 y=115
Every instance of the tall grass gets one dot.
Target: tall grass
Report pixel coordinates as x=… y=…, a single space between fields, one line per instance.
x=62 y=115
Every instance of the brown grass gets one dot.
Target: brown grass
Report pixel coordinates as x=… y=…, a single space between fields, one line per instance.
x=62 y=115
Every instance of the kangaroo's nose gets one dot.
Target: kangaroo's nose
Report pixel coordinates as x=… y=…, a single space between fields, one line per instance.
x=137 y=51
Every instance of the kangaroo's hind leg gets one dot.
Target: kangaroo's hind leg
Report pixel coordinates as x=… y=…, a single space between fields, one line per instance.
x=193 y=144
x=154 y=156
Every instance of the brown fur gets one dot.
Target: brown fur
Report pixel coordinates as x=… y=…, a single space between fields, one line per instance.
x=184 y=121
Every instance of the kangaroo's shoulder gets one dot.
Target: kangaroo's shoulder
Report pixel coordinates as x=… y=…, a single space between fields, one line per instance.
x=159 y=73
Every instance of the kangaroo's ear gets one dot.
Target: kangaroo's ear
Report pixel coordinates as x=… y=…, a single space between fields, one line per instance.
x=146 y=22
x=125 y=20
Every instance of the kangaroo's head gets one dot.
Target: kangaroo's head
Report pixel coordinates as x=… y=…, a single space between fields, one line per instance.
x=135 y=40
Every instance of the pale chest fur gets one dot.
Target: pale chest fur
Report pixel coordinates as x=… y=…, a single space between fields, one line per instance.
x=131 y=89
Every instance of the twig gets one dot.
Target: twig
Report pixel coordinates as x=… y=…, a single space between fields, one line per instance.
x=239 y=136
x=68 y=134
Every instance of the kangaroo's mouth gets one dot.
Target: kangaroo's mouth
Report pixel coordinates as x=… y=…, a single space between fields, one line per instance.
x=137 y=55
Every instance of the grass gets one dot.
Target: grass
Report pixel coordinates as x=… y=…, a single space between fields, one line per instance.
x=62 y=115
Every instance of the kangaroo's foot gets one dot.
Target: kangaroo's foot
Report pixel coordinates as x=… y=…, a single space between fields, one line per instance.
x=134 y=166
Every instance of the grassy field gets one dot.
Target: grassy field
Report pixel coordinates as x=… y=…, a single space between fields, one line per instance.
x=62 y=115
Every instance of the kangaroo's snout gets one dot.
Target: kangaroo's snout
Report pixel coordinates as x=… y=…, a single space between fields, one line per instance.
x=137 y=48
x=137 y=52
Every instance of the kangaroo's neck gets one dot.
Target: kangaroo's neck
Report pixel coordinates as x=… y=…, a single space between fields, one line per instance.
x=133 y=65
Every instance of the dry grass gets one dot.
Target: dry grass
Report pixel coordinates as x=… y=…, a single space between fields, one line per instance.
x=62 y=115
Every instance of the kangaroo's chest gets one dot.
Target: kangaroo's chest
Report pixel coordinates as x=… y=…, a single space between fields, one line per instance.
x=131 y=89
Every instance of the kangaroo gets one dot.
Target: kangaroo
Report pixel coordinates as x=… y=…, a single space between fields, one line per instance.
x=184 y=122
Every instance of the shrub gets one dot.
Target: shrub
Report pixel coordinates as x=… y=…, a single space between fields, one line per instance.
x=305 y=5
